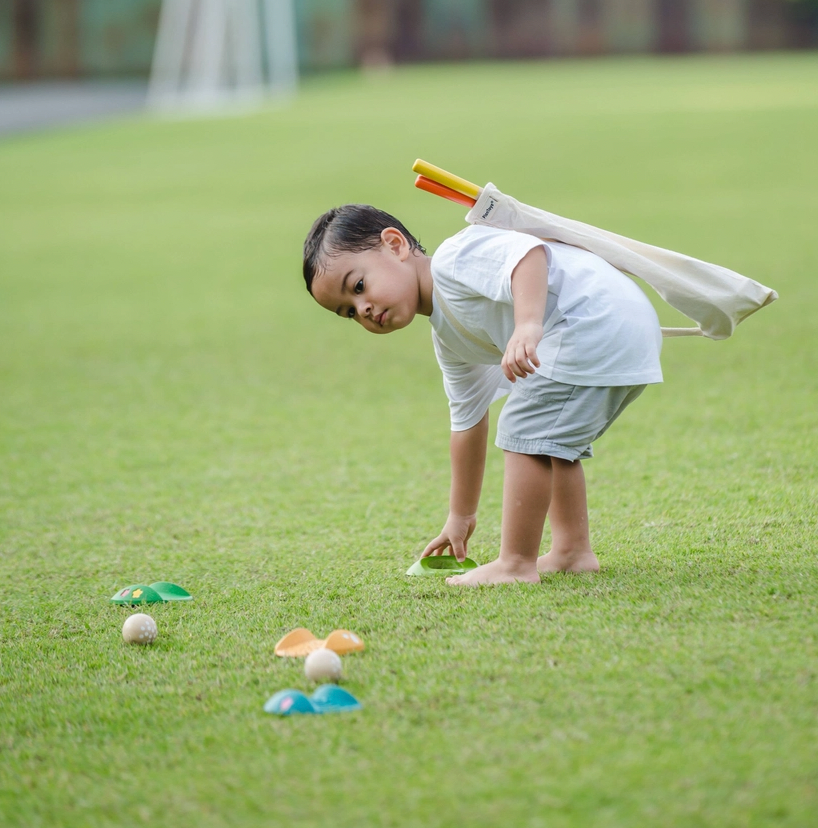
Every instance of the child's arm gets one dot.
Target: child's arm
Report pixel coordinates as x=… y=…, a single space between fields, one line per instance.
x=529 y=288
x=468 y=455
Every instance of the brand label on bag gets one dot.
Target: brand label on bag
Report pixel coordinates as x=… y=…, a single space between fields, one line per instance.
x=485 y=214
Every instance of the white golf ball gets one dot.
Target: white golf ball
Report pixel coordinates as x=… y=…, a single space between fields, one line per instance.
x=323 y=665
x=139 y=629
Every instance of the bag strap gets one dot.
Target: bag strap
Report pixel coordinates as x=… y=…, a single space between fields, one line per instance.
x=466 y=334
x=682 y=332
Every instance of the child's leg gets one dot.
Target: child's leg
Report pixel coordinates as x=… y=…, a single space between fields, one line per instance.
x=568 y=516
x=526 y=495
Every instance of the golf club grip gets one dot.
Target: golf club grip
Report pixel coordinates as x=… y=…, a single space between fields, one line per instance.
x=423 y=183
x=447 y=179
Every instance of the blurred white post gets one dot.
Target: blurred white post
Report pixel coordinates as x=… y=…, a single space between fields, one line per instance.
x=169 y=50
x=247 y=47
x=211 y=53
x=281 y=41
x=206 y=82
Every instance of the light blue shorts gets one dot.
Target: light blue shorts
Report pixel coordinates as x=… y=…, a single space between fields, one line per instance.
x=542 y=416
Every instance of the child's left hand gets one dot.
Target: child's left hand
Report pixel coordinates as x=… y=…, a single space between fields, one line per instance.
x=520 y=358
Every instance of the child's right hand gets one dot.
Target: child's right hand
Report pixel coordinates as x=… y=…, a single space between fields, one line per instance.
x=455 y=536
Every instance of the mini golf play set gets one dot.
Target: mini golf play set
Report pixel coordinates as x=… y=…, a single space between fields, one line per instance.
x=715 y=298
x=298 y=643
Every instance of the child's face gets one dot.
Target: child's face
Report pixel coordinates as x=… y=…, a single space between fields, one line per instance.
x=378 y=288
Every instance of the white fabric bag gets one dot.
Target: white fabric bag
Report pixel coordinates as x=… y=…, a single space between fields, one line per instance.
x=712 y=296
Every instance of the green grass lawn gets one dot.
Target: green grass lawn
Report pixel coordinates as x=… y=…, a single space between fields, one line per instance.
x=173 y=406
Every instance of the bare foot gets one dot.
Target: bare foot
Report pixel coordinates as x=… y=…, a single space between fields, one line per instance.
x=497 y=572
x=581 y=561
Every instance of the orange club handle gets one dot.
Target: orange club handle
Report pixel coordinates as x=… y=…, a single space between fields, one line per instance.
x=423 y=183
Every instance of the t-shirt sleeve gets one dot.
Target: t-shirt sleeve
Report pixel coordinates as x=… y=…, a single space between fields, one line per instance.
x=486 y=258
x=470 y=388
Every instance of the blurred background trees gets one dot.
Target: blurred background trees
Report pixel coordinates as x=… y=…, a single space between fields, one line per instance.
x=115 y=38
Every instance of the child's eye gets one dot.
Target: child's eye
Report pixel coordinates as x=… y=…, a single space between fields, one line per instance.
x=351 y=313
x=359 y=286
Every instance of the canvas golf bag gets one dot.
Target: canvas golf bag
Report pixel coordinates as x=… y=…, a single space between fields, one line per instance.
x=716 y=298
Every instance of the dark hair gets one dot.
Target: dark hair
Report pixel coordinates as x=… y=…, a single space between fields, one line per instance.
x=348 y=229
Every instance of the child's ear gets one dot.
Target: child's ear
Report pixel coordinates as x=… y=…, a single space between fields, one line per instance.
x=395 y=241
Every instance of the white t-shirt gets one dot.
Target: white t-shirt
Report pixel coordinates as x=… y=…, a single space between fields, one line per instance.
x=599 y=329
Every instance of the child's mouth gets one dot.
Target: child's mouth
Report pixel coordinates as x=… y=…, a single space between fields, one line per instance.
x=381 y=318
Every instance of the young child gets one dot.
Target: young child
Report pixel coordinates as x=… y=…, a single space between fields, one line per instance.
x=573 y=339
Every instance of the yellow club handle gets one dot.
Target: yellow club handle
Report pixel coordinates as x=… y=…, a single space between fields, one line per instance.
x=454 y=182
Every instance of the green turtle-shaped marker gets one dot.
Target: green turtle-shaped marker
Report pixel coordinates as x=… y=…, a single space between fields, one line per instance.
x=156 y=593
x=441 y=565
